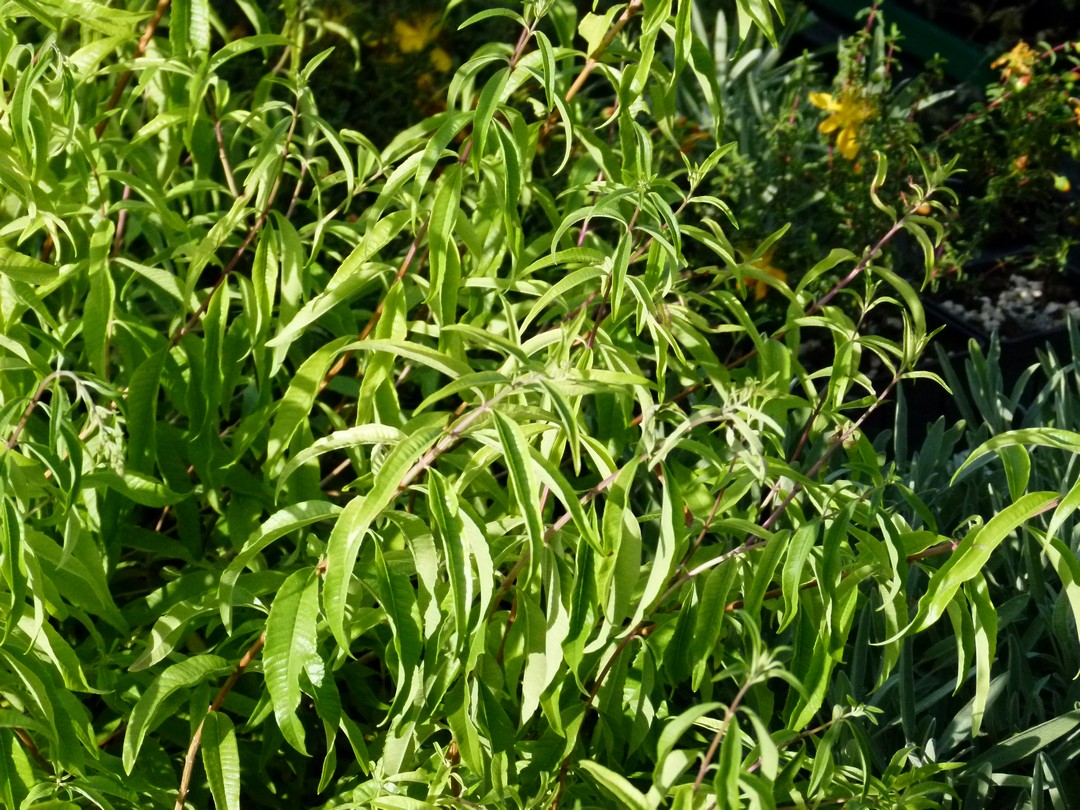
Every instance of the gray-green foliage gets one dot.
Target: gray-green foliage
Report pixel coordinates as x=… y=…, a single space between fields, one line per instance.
x=1033 y=728
x=452 y=473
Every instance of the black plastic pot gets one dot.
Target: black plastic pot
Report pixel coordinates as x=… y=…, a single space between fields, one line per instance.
x=923 y=39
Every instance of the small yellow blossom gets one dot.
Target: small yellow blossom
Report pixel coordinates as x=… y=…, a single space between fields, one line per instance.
x=847 y=114
x=412 y=36
x=761 y=288
x=440 y=60
x=1016 y=62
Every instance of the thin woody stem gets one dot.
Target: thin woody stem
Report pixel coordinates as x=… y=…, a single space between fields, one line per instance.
x=414 y=250
x=720 y=732
x=219 y=699
x=125 y=78
x=248 y=239
x=814 y=307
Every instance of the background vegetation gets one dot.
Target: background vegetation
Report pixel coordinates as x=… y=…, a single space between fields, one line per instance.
x=488 y=463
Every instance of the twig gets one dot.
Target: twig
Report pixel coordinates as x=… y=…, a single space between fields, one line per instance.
x=593 y=59
x=705 y=763
x=11 y=442
x=455 y=433
x=251 y=234
x=125 y=77
x=121 y=221
x=222 y=153
x=32 y=749
x=196 y=739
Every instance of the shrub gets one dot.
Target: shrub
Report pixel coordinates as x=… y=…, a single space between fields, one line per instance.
x=453 y=472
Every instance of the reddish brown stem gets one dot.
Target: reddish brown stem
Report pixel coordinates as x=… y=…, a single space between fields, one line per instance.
x=32 y=749
x=223 y=692
x=720 y=732
x=248 y=239
x=414 y=249
x=125 y=77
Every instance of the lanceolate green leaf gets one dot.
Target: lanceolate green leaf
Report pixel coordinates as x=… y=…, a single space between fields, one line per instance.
x=397 y=597
x=142 y=402
x=276 y=526
x=299 y=399
x=355 y=521
x=523 y=484
x=14 y=568
x=1043 y=437
x=290 y=646
x=221 y=759
x=97 y=322
x=450 y=535
x=986 y=621
x=147 y=713
x=794 y=562
x=972 y=553
x=339 y=440
x=352 y=276
x=616 y=786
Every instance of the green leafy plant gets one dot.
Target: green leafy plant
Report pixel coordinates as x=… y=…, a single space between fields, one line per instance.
x=437 y=474
x=1033 y=727
x=1019 y=145
x=805 y=142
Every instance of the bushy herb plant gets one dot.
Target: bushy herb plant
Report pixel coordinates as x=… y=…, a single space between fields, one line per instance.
x=1033 y=739
x=1020 y=147
x=450 y=473
x=806 y=129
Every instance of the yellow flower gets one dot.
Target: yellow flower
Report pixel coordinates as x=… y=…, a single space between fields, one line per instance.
x=761 y=289
x=1017 y=62
x=440 y=60
x=415 y=35
x=847 y=114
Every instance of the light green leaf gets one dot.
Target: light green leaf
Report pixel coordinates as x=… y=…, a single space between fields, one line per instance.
x=146 y=715
x=299 y=399
x=1041 y=437
x=594 y=27
x=798 y=552
x=617 y=786
x=971 y=555
x=339 y=440
x=169 y=630
x=488 y=102
x=356 y=519
x=290 y=646
x=449 y=533
x=395 y=593
x=21 y=267
x=350 y=279
x=418 y=353
x=523 y=484
x=98 y=313
x=137 y=487
x=277 y=525
x=985 y=620
x=221 y=760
